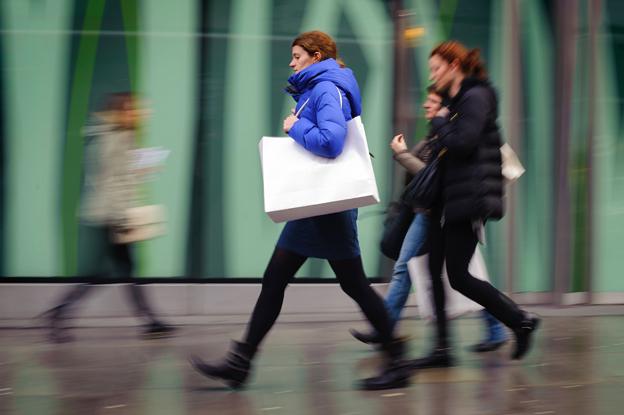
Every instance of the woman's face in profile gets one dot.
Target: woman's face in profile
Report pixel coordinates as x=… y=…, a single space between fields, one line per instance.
x=301 y=59
x=440 y=72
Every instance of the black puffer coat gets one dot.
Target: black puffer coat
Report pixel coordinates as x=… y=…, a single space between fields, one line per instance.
x=472 y=182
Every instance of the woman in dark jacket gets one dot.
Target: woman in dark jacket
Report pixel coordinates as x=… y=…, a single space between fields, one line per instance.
x=471 y=193
x=327 y=96
x=414 y=161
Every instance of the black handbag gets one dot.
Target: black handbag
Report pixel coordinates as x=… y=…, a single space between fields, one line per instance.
x=399 y=217
x=423 y=190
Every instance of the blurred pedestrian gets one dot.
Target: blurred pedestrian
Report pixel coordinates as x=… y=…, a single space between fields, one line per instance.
x=471 y=193
x=400 y=285
x=109 y=189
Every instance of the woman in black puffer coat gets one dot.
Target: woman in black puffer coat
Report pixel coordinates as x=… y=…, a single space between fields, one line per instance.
x=471 y=194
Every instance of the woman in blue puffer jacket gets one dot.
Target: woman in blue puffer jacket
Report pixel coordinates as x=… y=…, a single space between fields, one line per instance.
x=327 y=96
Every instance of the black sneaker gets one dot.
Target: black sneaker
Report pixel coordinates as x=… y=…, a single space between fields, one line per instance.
x=157 y=330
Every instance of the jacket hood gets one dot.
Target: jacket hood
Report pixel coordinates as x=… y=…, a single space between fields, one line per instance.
x=327 y=70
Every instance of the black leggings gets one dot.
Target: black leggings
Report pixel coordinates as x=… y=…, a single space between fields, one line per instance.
x=456 y=243
x=281 y=270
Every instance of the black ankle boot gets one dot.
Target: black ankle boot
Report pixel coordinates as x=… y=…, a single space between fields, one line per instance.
x=395 y=373
x=439 y=357
x=523 y=335
x=233 y=370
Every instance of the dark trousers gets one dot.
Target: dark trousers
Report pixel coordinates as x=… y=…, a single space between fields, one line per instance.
x=456 y=243
x=120 y=257
x=281 y=270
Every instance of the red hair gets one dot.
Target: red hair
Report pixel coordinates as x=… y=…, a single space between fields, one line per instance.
x=469 y=60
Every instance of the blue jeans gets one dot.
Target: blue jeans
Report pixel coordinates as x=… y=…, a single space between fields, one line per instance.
x=400 y=285
x=496 y=331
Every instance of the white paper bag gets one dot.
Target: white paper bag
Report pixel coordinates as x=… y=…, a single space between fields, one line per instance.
x=143 y=223
x=299 y=184
x=512 y=169
x=456 y=304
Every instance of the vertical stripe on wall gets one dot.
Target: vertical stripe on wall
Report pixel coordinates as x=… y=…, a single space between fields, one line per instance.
x=3 y=141
x=579 y=146
x=130 y=16
x=535 y=215
x=246 y=226
x=168 y=76
x=36 y=47
x=608 y=159
x=197 y=241
x=80 y=82
x=208 y=230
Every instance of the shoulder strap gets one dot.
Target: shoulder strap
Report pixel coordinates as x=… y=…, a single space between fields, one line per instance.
x=301 y=108
x=339 y=96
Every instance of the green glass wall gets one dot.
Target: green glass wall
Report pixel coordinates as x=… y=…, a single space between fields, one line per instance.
x=213 y=74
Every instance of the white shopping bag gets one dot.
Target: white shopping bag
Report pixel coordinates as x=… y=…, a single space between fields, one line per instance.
x=456 y=304
x=299 y=184
x=143 y=223
x=512 y=169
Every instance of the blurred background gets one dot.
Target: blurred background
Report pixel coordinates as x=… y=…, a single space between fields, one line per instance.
x=212 y=73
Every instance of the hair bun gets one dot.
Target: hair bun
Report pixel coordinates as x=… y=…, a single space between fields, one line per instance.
x=474 y=65
x=473 y=56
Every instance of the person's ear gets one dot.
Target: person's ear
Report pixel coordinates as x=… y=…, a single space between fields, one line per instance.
x=317 y=56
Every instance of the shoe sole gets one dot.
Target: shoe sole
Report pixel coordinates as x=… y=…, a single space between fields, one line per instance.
x=498 y=345
x=403 y=383
x=379 y=346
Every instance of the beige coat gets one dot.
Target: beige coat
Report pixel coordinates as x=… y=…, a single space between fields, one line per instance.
x=110 y=185
x=409 y=160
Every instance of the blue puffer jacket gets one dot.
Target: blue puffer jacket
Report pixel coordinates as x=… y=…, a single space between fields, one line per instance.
x=322 y=126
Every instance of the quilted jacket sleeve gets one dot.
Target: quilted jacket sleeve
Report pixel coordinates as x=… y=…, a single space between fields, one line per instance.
x=326 y=136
